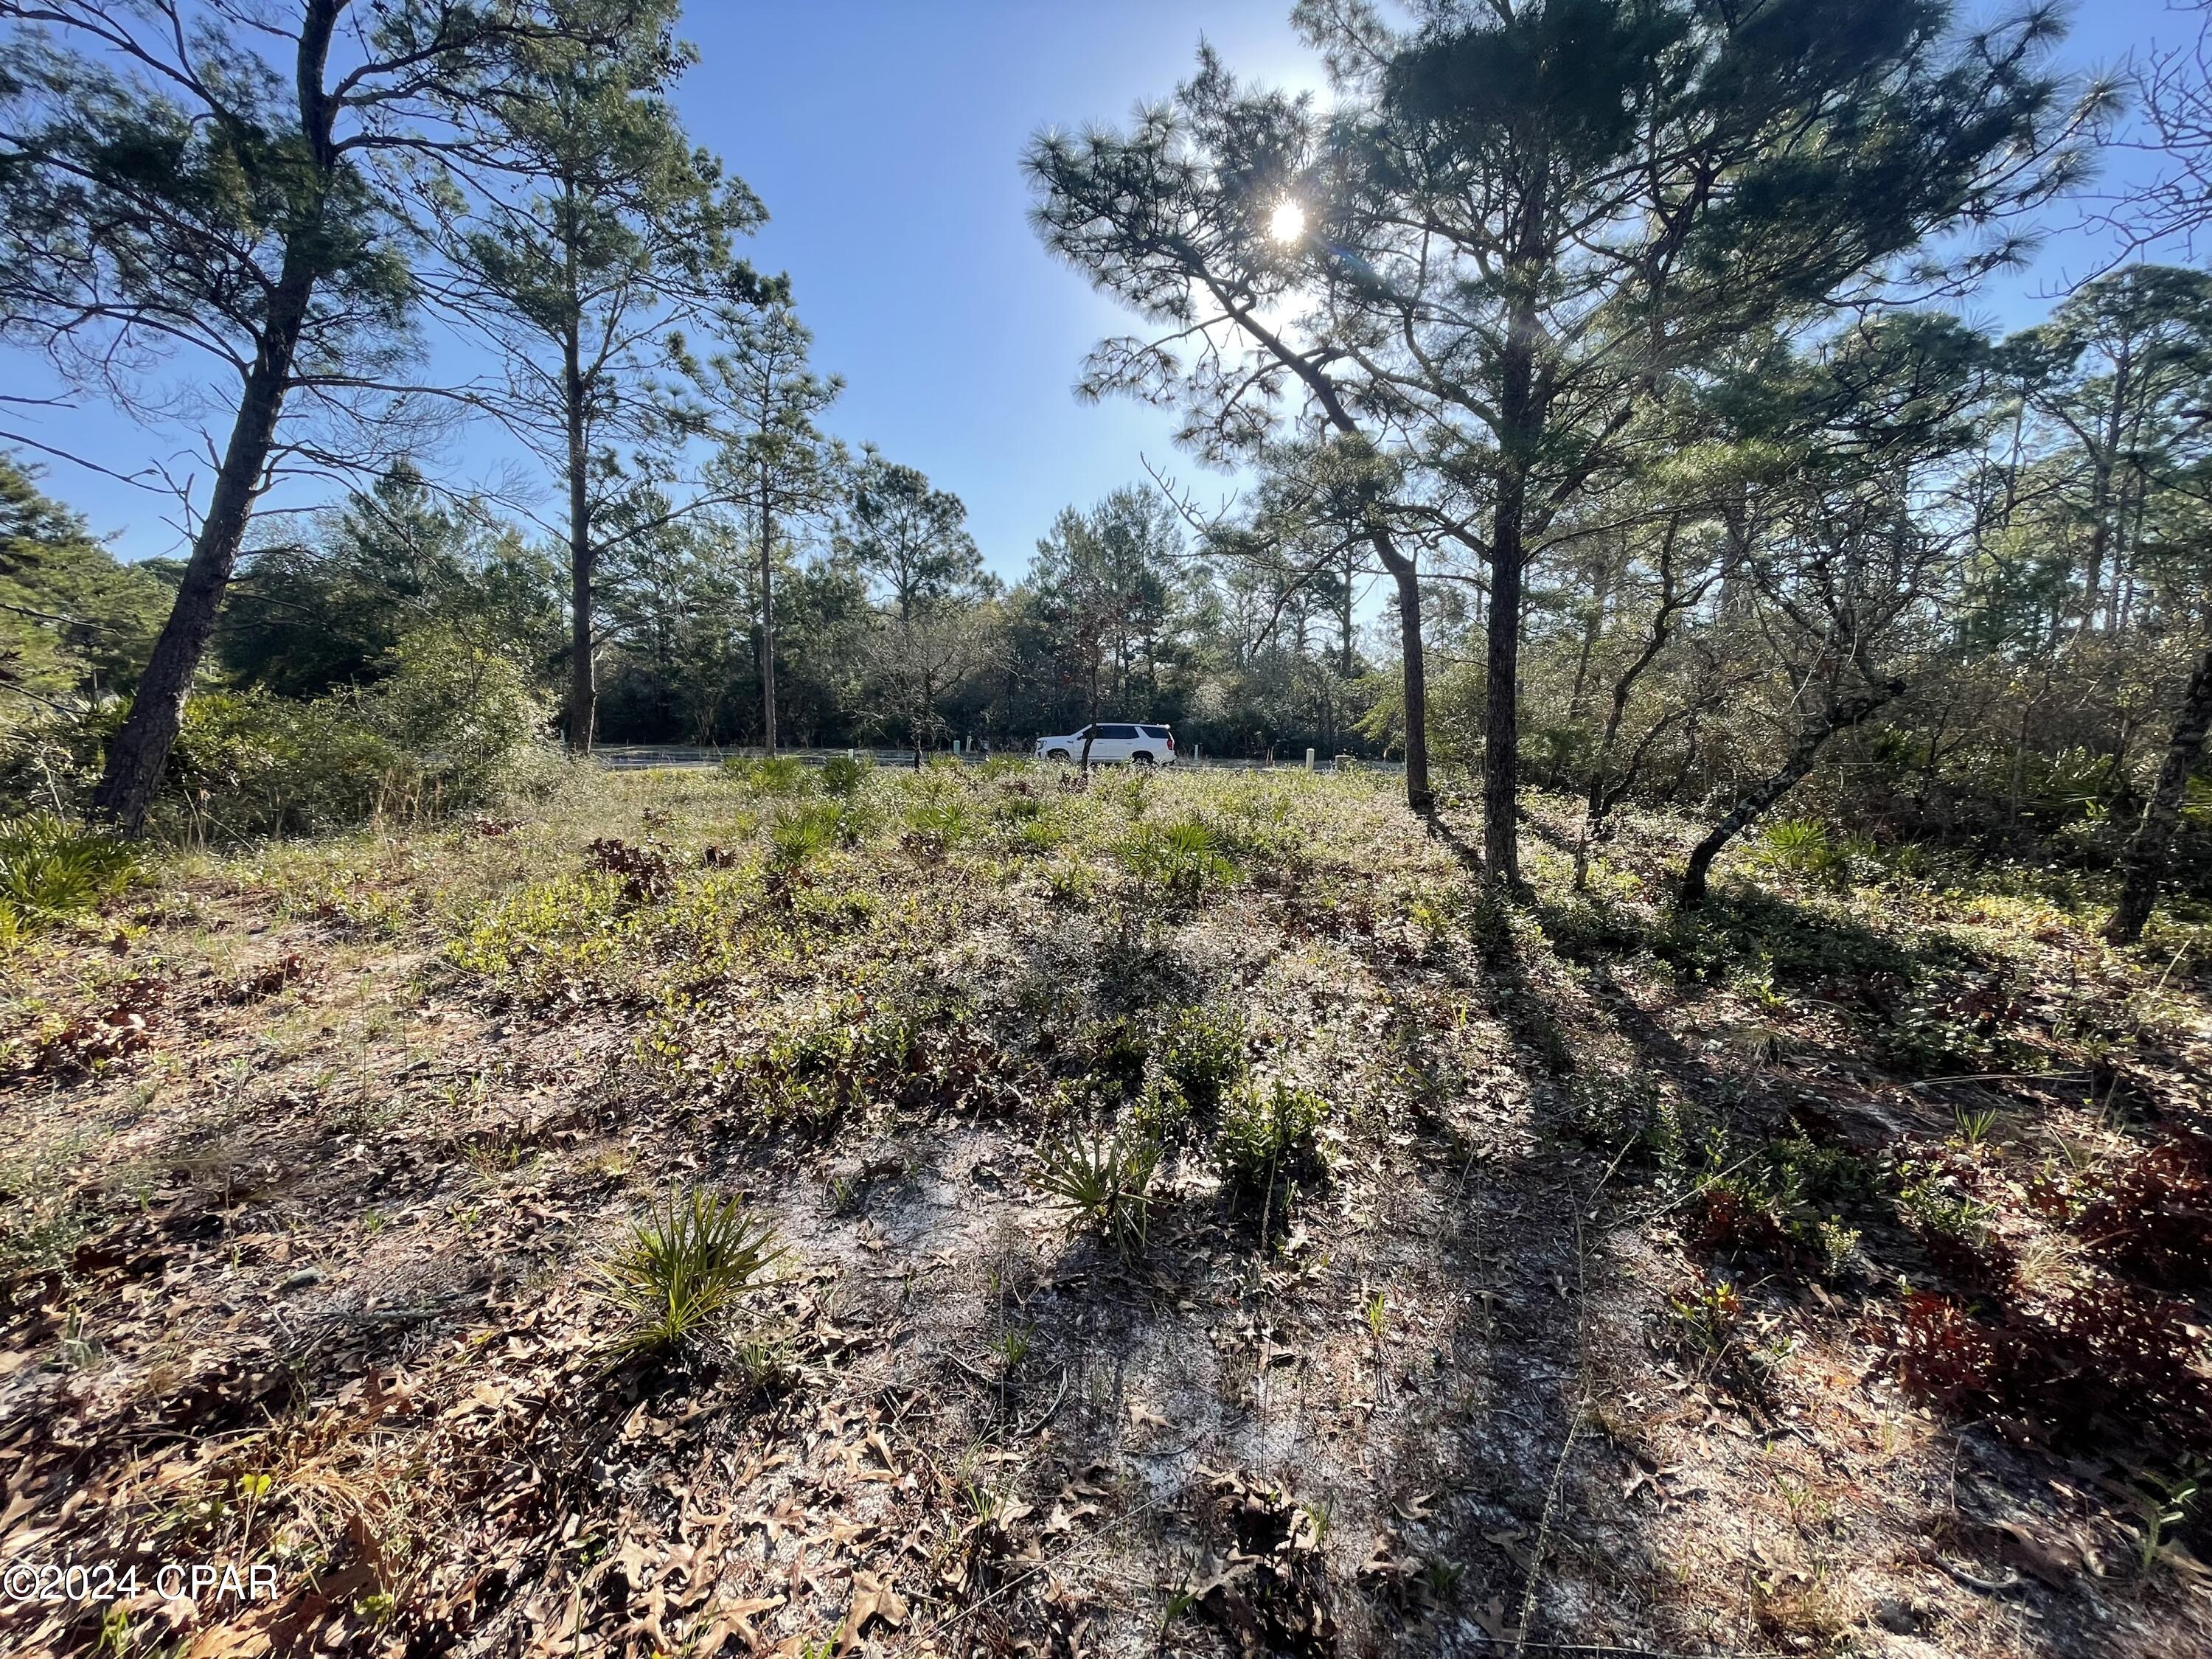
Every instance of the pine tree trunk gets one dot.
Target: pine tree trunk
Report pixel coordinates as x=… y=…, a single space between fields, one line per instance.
x=138 y=755
x=2146 y=858
x=768 y=619
x=1413 y=661
x=1501 y=730
x=583 y=679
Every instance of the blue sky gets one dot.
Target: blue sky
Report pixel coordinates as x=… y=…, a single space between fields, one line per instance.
x=883 y=137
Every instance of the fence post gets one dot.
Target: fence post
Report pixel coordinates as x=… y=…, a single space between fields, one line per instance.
x=1309 y=759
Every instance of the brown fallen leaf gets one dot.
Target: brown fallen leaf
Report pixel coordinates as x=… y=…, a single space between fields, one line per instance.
x=1511 y=1543
x=736 y=1620
x=1062 y=1519
x=1492 y=1617
x=871 y=1599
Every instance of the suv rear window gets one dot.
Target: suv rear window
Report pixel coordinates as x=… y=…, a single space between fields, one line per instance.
x=1155 y=731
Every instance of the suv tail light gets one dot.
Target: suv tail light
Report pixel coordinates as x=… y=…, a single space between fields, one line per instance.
x=1171 y=743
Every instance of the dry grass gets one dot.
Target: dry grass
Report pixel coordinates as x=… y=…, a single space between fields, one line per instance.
x=302 y=1267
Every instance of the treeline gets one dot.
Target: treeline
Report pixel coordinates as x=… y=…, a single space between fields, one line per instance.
x=1600 y=372
x=887 y=629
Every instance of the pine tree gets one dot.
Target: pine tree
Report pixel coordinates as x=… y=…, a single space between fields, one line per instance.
x=592 y=231
x=182 y=181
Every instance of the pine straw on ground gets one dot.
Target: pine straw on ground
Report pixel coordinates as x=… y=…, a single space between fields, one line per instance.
x=312 y=1152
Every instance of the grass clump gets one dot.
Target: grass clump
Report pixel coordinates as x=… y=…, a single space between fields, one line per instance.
x=1106 y=1180
x=52 y=869
x=684 y=1266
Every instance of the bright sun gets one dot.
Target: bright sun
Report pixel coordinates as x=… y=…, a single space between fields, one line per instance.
x=1288 y=223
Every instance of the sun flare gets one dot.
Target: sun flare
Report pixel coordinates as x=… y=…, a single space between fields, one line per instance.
x=1288 y=223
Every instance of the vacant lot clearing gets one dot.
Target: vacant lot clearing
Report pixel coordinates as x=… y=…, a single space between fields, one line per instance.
x=1208 y=1224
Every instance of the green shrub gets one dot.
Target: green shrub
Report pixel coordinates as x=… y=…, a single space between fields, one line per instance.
x=463 y=713
x=50 y=869
x=795 y=838
x=454 y=726
x=843 y=775
x=1105 y=1181
x=1162 y=1114
x=249 y=762
x=1039 y=834
x=813 y=1074
x=1114 y=1053
x=1267 y=1142
x=779 y=775
x=683 y=1268
x=946 y=820
x=1799 y=846
x=802 y=829
x=1184 y=859
x=1805 y=848
x=1203 y=1055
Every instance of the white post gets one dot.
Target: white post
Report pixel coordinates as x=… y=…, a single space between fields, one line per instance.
x=1309 y=759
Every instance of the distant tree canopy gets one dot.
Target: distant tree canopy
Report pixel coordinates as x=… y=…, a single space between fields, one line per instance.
x=306 y=619
x=73 y=624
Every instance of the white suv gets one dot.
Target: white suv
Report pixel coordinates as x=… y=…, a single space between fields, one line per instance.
x=1140 y=745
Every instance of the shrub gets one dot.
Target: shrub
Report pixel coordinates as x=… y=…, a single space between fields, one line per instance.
x=1203 y=1055
x=2108 y=1351
x=842 y=776
x=1771 y=1201
x=1707 y=1320
x=683 y=1268
x=50 y=869
x=1114 y=1053
x=464 y=714
x=451 y=727
x=1803 y=849
x=248 y=763
x=942 y=820
x=2152 y=1219
x=802 y=829
x=1105 y=1181
x=1162 y=1114
x=1732 y=1217
x=917 y=1052
x=1267 y=1142
x=1184 y=859
x=647 y=872
x=779 y=775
